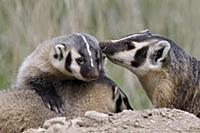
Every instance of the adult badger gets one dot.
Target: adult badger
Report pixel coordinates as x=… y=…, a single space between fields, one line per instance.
x=21 y=109
x=68 y=57
x=170 y=77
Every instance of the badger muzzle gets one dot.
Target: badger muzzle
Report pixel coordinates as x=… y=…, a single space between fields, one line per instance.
x=90 y=73
x=125 y=43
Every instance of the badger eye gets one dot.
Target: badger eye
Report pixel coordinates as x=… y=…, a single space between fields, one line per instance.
x=80 y=60
x=129 y=46
x=104 y=57
x=97 y=60
x=55 y=56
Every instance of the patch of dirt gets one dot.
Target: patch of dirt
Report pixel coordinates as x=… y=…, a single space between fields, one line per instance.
x=152 y=120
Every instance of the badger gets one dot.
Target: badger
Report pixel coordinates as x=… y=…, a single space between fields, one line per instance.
x=170 y=76
x=23 y=108
x=68 y=57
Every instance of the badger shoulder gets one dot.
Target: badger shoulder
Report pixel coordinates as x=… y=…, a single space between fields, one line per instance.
x=23 y=108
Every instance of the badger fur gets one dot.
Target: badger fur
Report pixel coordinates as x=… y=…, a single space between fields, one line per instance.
x=170 y=76
x=23 y=108
x=68 y=57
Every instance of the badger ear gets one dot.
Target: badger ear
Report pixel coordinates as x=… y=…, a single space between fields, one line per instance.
x=59 y=51
x=160 y=51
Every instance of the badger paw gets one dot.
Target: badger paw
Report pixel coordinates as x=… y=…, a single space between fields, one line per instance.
x=54 y=103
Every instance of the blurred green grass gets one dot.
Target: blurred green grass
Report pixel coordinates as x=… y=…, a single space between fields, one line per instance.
x=24 y=24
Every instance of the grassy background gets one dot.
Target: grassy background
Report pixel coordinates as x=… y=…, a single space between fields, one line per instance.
x=25 y=23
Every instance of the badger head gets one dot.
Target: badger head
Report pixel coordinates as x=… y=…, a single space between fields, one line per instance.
x=141 y=52
x=77 y=55
x=121 y=100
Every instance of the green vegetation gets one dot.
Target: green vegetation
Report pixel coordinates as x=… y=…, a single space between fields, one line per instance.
x=25 y=23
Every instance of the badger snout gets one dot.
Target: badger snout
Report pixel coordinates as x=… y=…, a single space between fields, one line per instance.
x=108 y=48
x=90 y=73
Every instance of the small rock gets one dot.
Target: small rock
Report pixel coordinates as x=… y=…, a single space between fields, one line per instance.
x=54 y=128
x=39 y=130
x=74 y=122
x=127 y=112
x=70 y=130
x=152 y=121
x=57 y=120
x=96 y=116
x=125 y=126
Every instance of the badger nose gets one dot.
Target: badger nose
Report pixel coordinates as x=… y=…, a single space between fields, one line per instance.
x=93 y=75
x=108 y=47
x=90 y=73
x=104 y=45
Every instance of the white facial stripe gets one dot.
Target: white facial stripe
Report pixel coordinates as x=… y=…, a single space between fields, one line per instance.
x=127 y=37
x=124 y=56
x=127 y=56
x=88 y=49
x=116 y=89
x=140 y=44
x=116 y=94
x=130 y=36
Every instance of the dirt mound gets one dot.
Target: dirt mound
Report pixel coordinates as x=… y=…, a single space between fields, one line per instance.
x=154 y=120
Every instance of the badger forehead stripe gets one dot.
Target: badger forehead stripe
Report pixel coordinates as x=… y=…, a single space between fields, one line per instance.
x=88 y=49
x=127 y=37
x=116 y=89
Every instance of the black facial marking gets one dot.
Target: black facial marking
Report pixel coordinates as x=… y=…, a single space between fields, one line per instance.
x=61 y=54
x=135 y=64
x=55 y=56
x=68 y=62
x=142 y=53
x=113 y=90
x=130 y=46
x=126 y=102
x=120 y=46
x=140 y=57
x=118 y=104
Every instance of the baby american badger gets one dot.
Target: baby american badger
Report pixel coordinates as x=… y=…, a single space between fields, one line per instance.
x=23 y=108
x=74 y=56
x=170 y=77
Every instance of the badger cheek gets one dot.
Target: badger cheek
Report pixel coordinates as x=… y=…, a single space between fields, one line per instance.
x=76 y=70
x=77 y=75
